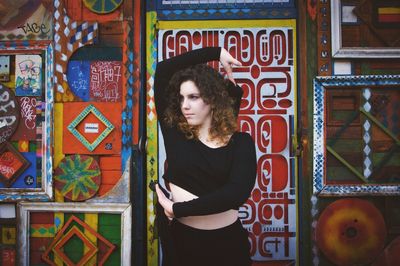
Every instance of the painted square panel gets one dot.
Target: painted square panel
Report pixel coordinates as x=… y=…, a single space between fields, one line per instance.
x=106 y=81
x=28 y=178
x=74 y=234
x=91 y=128
x=12 y=164
x=28 y=75
x=360 y=112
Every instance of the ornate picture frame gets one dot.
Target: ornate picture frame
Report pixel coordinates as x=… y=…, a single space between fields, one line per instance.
x=321 y=147
x=68 y=223
x=45 y=191
x=338 y=51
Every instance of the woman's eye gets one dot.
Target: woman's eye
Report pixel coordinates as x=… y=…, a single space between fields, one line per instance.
x=193 y=97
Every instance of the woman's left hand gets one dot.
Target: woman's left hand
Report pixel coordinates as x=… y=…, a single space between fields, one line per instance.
x=165 y=203
x=227 y=61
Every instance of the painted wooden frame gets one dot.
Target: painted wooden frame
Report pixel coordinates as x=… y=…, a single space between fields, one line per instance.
x=320 y=148
x=338 y=51
x=155 y=52
x=25 y=208
x=213 y=9
x=45 y=192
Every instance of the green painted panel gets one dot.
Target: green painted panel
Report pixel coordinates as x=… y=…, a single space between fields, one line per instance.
x=111 y=233
x=74 y=249
x=110 y=219
x=342 y=174
x=344 y=145
x=115 y=258
x=393 y=161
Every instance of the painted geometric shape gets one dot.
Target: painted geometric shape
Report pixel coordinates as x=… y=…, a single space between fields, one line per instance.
x=9 y=113
x=42 y=230
x=347 y=235
x=90 y=127
x=89 y=122
x=102 y=6
x=106 y=81
x=62 y=238
x=77 y=177
x=12 y=164
x=78 y=78
x=8 y=235
x=90 y=248
x=27 y=178
x=28 y=75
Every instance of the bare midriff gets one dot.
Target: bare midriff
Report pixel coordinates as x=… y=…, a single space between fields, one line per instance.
x=204 y=222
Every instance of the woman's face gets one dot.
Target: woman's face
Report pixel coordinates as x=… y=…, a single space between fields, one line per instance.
x=193 y=107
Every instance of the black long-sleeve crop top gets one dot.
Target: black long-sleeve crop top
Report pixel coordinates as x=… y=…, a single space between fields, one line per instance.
x=223 y=177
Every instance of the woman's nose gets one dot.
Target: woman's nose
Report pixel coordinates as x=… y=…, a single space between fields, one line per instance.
x=185 y=104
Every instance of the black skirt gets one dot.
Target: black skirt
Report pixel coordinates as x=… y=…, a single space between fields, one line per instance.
x=225 y=246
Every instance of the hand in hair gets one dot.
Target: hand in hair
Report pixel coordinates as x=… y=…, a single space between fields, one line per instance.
x=227 y=61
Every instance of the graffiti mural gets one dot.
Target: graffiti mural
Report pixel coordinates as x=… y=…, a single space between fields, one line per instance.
x=26 y=20
x=267 y=113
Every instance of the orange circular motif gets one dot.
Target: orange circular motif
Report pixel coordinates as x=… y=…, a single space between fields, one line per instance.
x=350 y=232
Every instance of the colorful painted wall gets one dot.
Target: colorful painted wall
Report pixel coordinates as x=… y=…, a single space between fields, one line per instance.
x=350 y=132
x=79 y=140
x=69 y=121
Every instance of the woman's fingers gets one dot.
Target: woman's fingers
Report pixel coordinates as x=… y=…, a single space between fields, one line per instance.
x=165 y=202
x=235 y=62
x=227 y=61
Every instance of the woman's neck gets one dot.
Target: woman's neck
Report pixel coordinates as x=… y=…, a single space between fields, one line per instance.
x=204 y=133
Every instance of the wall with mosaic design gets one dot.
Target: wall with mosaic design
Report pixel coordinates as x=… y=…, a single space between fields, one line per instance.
x=353 y=158
x=70 y=81
x=68 y=121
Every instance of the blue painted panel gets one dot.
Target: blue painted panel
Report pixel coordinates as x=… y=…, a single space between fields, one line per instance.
x=28 y=178
x=228 y=9
x=78 y=76
x=234 y=13
x=224 y=4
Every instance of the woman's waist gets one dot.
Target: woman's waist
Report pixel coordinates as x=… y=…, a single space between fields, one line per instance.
x=205 y=222
x=211 y=221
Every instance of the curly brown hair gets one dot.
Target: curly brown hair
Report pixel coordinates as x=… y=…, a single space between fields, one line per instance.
x=213 y=90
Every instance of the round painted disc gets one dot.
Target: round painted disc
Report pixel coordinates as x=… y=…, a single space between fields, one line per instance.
x=351 y=232
x=77 y=177
x=102 y=6
x=9 y=113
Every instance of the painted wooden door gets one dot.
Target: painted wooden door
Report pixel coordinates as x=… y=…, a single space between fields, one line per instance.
x=267 y=50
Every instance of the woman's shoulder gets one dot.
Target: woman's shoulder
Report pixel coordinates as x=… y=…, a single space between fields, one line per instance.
x=242 y=137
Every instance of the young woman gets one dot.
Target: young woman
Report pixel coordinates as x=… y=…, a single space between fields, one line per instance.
x=211 y=166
